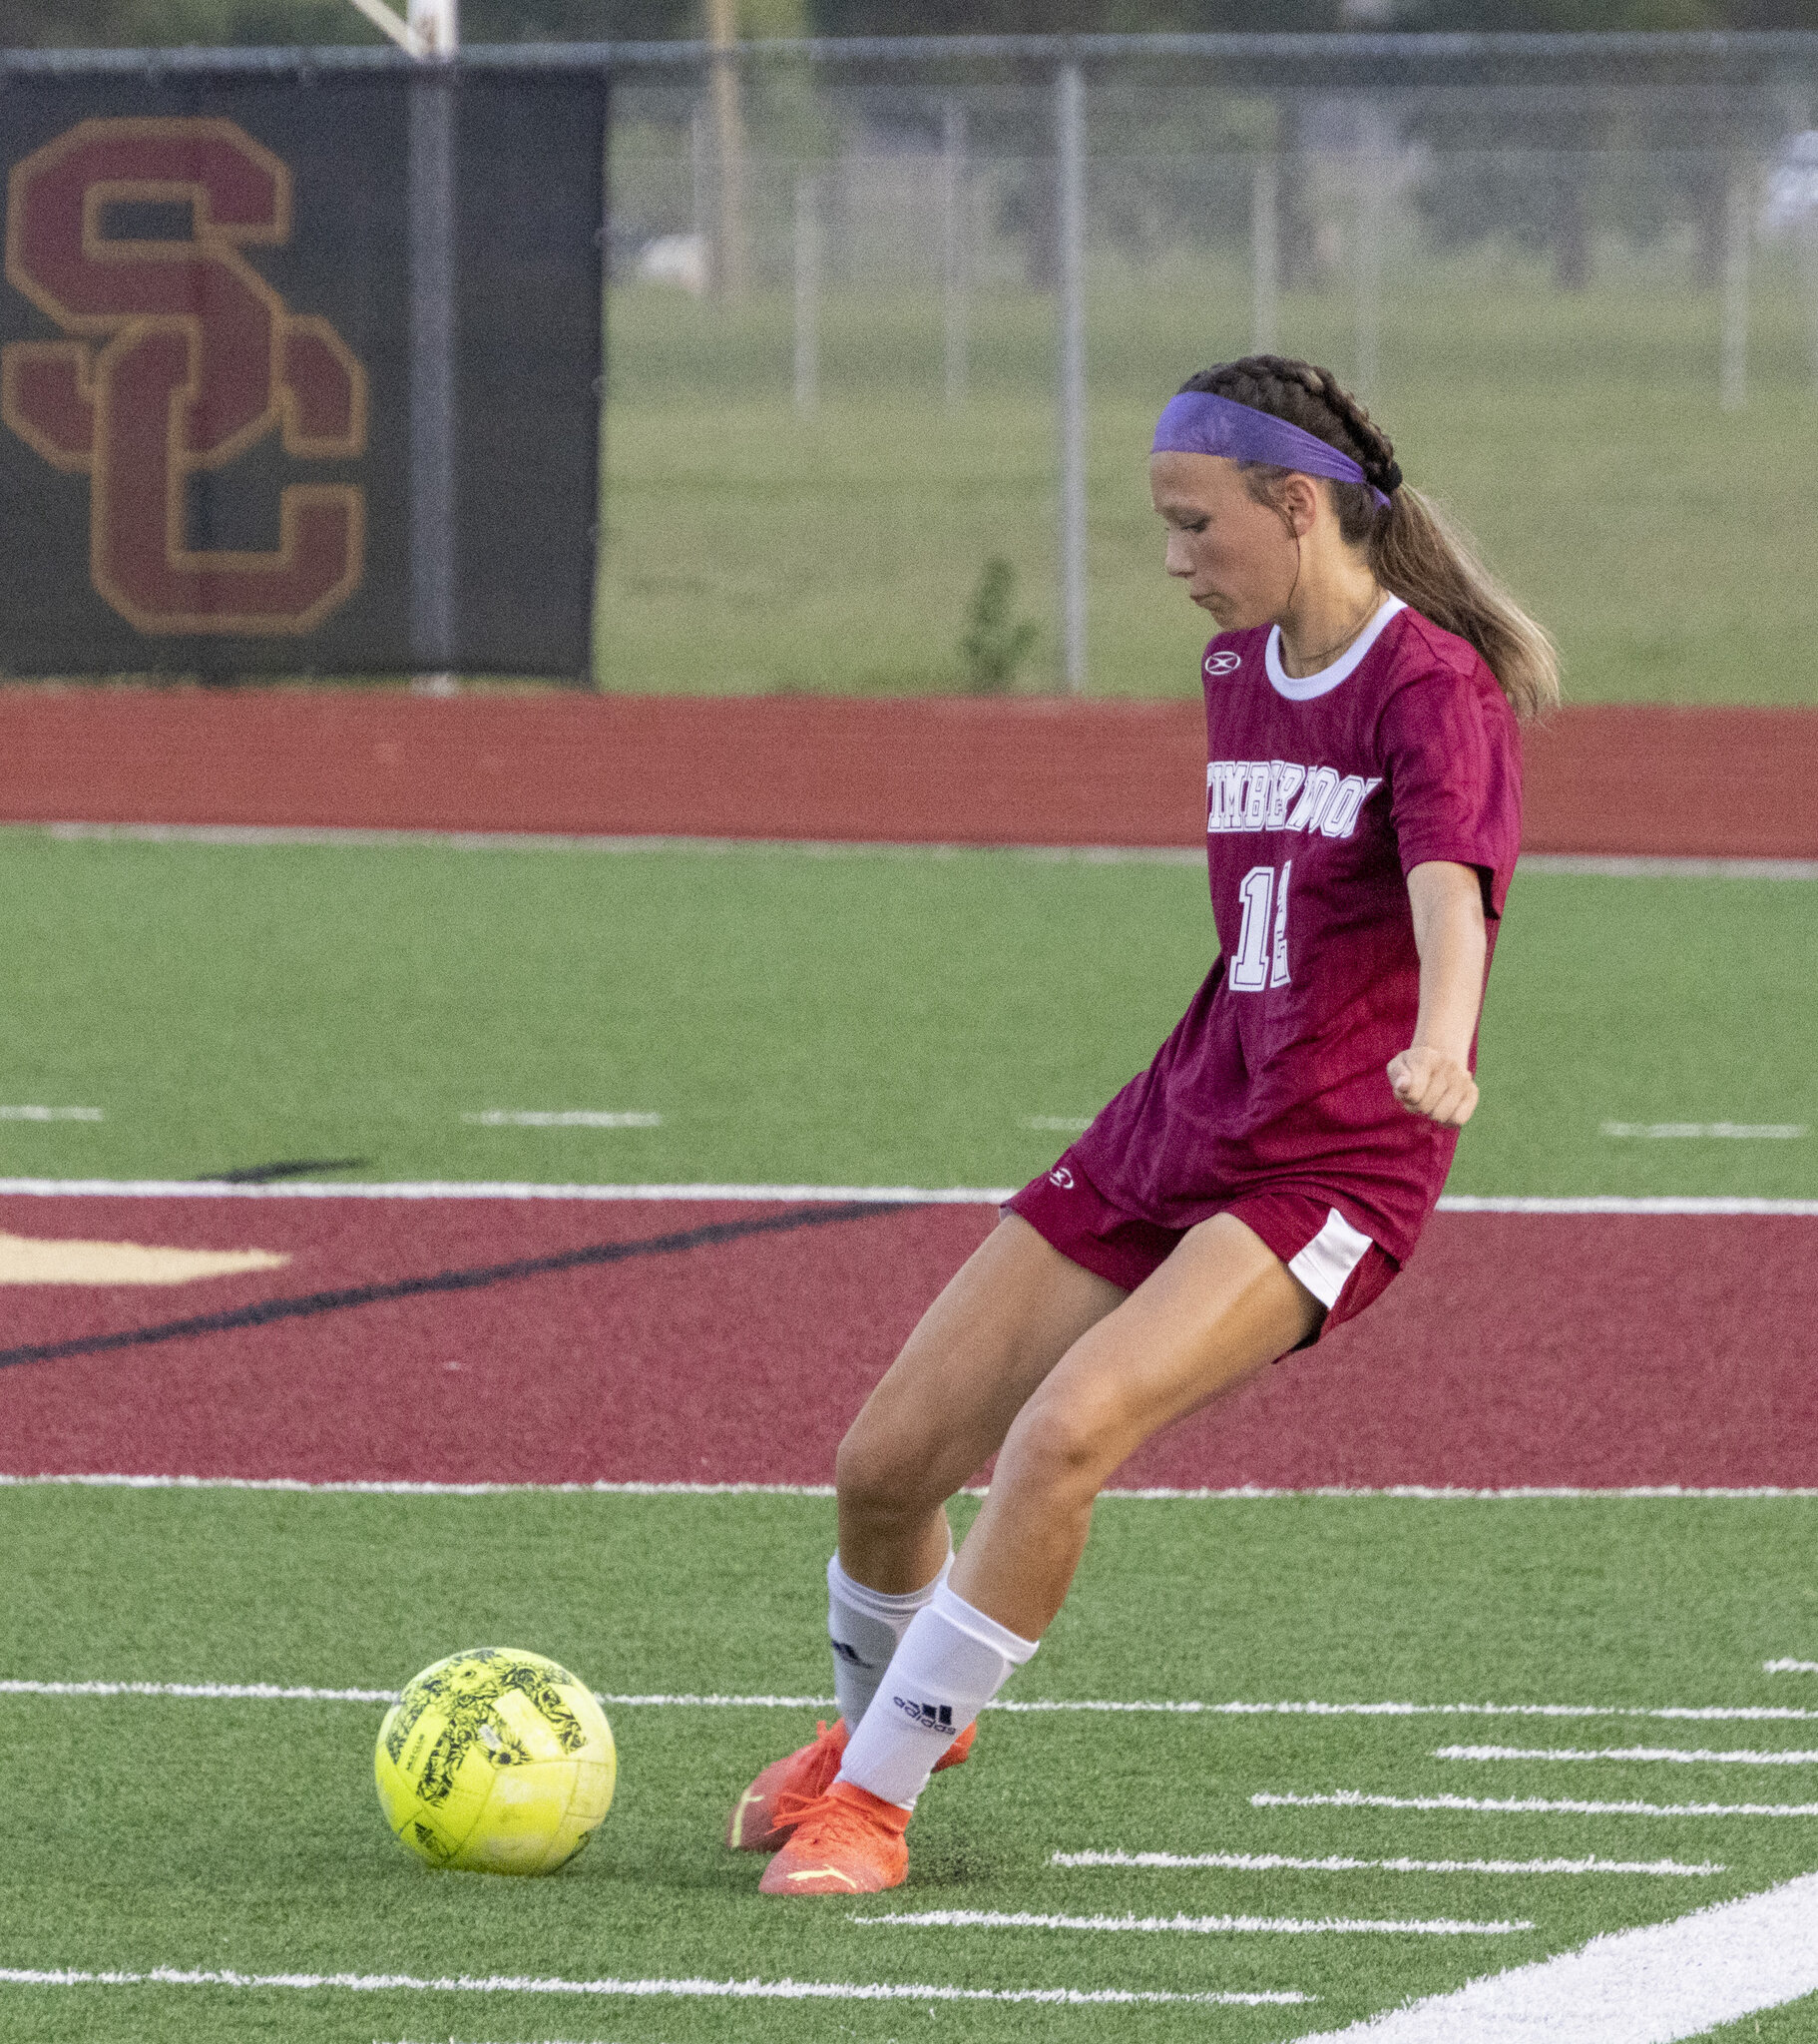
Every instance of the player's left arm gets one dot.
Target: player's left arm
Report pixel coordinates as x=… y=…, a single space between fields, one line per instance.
x=1433 y=1075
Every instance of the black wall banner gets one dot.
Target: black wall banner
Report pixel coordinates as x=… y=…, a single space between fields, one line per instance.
x=299 y=373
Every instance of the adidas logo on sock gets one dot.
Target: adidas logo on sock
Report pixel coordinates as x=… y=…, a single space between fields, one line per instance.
x=933 y=1716
x=849 y=1654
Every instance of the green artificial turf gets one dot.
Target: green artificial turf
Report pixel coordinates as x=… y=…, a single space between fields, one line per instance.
x=862 y=1018
x=240 y=1834
x=751 y=549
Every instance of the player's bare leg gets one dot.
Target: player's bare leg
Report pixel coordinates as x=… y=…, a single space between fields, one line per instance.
x=942 y=1410
x=1221 y=1307
x=998 y=1327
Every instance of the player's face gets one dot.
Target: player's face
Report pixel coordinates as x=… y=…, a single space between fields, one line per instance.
x=1236 y=556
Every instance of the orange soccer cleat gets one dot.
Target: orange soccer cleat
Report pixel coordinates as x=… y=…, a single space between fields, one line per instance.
x=755 y=1824
x=801 y=1776
x=845 y=1843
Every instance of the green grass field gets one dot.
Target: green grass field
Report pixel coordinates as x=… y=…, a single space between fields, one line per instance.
x=750 y=549
x=202 y=1834
x=867 y=1017
x=860 y=1018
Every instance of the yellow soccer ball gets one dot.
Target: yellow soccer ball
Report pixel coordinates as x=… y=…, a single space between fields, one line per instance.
x=495 y=1761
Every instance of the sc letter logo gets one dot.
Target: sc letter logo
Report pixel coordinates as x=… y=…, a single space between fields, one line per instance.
x=182 y=359
x=1223 y=663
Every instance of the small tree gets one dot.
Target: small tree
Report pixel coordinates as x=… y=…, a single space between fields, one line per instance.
x=996 y=643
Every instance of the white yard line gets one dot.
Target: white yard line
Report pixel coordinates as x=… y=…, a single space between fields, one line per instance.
x=260 y=1692
x=1270 y=1862
x=1522 y=1805
x=51 y=1113
x=1683 y=1755
x=1739 y=1132
x=687 y=1989
x=561 y=1118
x=1247 y=1493
x=905 y=1196
x=1650 y=1987
x=202 y=1691
x=1194 y=1926
x=1790 y=1668
x=1190 y=1708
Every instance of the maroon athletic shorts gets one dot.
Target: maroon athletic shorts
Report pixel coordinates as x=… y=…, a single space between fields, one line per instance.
x=1342 y=1267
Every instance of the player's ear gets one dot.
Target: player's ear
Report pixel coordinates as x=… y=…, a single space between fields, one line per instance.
x=1301 y=503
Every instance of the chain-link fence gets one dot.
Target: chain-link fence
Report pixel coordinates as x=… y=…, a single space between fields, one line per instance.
x=850 y=447
x=889 y=322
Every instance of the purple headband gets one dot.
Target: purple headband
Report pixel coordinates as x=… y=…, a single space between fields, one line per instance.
x=1198 y=423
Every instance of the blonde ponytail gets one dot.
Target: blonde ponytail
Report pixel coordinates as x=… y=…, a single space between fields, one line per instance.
x=1418 y=554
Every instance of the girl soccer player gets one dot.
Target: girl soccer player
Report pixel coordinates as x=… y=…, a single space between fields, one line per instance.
x=1270 y=1171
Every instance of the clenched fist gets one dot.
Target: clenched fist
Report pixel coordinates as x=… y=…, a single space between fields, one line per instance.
x=1431 y=1081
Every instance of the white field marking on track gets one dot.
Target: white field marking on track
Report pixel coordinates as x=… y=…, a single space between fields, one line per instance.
x=903 y=1195
x=690 y=1989
x=357 y=839
x=1790 y=1668
x=1603 y=866
x=1540 y=1806
x=1681 y=1756
x=1603 y=1202
x=1270 y=1862
x=1248 y=1493
x=1742 y=1132
x=51 y=1113
x=1428 y=1493
x=465 y=1189
x=255 y=1691
x=1197 y=1926
x=561 y=1118
x=1681 y=1978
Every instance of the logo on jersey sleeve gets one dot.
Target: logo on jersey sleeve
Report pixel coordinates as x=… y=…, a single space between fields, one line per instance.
x=1279 y=794
x=1223 y=663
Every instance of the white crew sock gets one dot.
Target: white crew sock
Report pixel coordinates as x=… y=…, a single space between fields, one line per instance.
x=952 y=1662
x=864 y=1628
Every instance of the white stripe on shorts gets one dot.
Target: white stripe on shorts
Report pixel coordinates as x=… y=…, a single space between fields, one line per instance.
x=1330 y=1257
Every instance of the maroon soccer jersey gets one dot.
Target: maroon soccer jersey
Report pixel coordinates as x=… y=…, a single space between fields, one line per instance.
x=1322 y=793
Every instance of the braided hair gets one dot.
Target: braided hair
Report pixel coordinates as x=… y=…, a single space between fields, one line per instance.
x=1413 y=550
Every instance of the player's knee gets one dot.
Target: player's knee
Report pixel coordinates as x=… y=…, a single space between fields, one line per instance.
x=1056 y=1445
x=874 y=1475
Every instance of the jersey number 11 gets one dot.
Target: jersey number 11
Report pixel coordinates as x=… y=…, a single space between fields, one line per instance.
x=1263 y=950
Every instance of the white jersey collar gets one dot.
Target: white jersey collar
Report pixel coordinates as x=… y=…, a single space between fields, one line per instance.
x=1304 y=688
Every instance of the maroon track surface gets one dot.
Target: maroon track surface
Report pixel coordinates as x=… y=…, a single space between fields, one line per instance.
x=1517 y=1349
x=1614 y=780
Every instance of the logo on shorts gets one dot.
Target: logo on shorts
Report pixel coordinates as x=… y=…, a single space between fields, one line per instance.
x=1223 y=663
x=1062 y=1177
x=930 y=1716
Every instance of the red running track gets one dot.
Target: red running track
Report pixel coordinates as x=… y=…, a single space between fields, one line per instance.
x=1620 y=780
x=1524 y=1349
